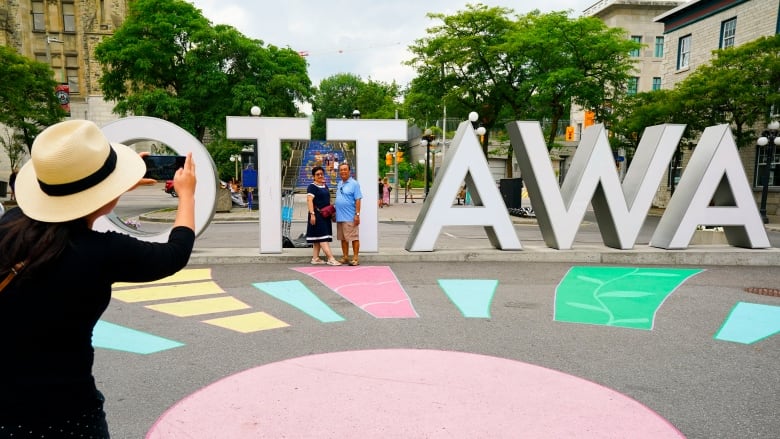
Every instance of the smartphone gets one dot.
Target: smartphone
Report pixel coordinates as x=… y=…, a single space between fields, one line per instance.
x=162 y=167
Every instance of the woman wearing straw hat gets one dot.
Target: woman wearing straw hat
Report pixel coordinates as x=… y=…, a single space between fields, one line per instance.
x=56 y=275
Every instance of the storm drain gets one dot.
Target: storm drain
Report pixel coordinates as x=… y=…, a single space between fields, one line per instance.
x=774 y=292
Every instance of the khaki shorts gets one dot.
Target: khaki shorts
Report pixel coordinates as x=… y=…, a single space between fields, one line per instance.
x=347 y=231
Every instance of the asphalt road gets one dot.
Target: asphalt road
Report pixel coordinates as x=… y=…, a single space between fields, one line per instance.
x=706 y=388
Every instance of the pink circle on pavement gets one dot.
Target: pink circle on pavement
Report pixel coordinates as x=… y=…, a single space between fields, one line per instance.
x=407 y=393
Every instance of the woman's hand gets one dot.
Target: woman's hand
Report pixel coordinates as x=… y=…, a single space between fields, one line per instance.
x=144 y=181
x=184 y=179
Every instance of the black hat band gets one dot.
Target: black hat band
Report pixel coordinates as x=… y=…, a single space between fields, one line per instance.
x=58 y=190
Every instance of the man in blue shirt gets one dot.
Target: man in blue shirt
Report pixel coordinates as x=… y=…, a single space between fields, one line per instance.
x=347 y=205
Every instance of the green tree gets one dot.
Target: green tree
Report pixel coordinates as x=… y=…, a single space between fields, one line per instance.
x=339 y=95
x=168 y=61
x=489 y=60
x=738 y=87
x=28 y=103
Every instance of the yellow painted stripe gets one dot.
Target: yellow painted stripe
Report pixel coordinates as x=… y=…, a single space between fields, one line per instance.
x=147 y=294
x=246 y=323
x=181 y=276
x=200 y=306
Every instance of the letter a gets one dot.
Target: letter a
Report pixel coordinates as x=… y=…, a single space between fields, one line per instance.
x=465 y=160
x=714 y=175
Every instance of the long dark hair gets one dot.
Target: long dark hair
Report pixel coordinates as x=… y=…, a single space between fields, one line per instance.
x=35 y=242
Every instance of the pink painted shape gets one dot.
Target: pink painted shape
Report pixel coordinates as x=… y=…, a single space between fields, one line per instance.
x=407 y=393
x=374 y=289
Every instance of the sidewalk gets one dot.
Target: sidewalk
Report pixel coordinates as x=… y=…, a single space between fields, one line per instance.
x=392 y=250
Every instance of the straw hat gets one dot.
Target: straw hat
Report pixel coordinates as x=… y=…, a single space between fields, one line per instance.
x=74 y=171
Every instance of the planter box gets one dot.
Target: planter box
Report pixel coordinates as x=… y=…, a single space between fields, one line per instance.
x=709 y=237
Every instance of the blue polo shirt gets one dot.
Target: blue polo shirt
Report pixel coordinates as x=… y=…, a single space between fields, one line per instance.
x=347 y=193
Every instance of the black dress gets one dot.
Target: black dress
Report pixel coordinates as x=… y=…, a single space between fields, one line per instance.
x=322 y=230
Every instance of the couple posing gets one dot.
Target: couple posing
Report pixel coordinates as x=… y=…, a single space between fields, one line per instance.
x=319 y=229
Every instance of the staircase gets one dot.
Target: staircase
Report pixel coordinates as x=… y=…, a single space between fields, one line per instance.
x=305 y=156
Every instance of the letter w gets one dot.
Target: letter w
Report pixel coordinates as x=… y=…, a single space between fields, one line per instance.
x=592 y=178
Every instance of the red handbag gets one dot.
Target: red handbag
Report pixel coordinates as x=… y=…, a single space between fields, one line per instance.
x=328 y=211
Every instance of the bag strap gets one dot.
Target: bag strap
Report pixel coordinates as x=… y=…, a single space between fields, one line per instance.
x=18 y=267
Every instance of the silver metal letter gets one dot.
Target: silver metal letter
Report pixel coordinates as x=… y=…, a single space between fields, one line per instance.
x=367 y=133
x=268 y=132
x=713 y=175
x=592 y=178
x=464 y=160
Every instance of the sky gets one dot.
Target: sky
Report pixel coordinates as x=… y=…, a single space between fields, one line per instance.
x=368 y=38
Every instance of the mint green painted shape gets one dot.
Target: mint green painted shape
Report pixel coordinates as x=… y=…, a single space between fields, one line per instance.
x=750 y=322
x=616 y=296
x=473 y=297
x=295 y=293
x=119 y=338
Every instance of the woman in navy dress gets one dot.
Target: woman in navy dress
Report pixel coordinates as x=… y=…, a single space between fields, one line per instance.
x=319 y=230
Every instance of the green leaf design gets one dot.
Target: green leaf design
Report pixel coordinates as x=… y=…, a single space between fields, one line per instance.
x=616 y=296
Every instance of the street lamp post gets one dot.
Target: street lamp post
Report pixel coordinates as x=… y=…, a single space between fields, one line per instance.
x=427 y=142
x=769 y=139
x=236 y=158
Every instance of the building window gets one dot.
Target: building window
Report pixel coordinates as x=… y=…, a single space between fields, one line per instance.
x=637 y=39
x=659 y=47
x=774 y=169
x=39 y=20
x=68 y=17
x=72 y=69
x=656 y=83
x=728 y=29
x=684 y=52
x=633 y=85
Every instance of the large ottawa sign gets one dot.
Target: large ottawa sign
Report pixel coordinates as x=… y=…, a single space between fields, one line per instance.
x=713 y=190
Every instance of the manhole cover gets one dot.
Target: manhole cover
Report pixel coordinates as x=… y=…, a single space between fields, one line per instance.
x=774 y=292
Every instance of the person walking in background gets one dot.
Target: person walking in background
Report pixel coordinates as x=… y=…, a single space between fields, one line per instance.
x=12 y=182
x=56 y=275
x=348 y=198
x=319 y=230
x=380 y=193
x=386 y=189
x=408 y=190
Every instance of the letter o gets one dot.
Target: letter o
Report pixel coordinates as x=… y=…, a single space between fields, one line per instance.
x=138 y=128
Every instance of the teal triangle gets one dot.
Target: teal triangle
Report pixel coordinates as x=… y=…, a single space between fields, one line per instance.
x=749 y=323
x=295 y=293
x=472 y=297
x=119 y=338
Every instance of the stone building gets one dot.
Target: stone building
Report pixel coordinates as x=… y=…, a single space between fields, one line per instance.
x=63 y=34
x=636 y=17
x=696 y=28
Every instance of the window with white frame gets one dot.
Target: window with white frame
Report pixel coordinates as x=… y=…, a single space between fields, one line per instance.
x=635 y=52
x=774 y=168
x=728 y=30
x=684 y=52
x=659 y=47
x=656 y=83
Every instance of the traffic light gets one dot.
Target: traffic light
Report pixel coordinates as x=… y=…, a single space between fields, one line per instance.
x=389 y=159
x=569 y=134
x=399 y=156
x=590 y=118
